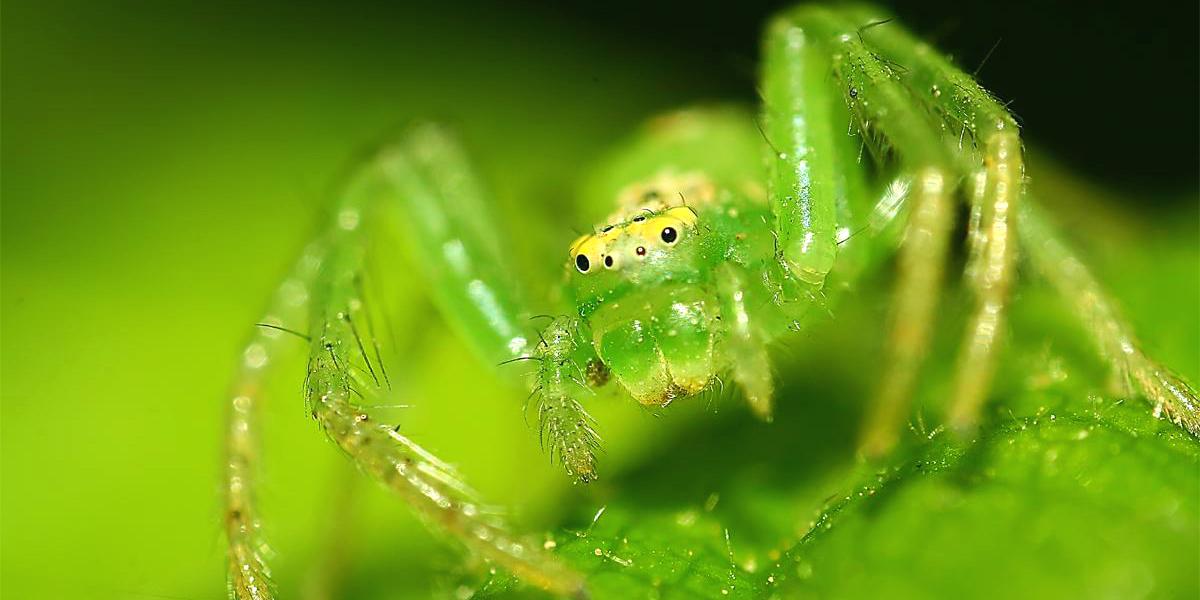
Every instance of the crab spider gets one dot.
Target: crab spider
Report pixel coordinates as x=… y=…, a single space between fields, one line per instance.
x=729 y=232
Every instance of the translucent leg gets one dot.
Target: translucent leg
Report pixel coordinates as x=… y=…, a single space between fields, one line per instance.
x=752 y=369
x=920 y=266
x=455 y=241
x=798 y=109
x=426 y=483
x=249 y=576
x=990 y=276
x=1169 y=395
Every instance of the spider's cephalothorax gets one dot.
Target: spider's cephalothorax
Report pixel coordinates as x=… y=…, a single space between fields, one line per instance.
x=646 y=287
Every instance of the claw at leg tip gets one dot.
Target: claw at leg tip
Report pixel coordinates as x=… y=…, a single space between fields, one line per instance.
x=585 y=475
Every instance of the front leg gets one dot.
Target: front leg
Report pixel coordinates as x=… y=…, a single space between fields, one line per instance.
x=461 y=253
x=424 y=179
x=813 y=167
x=567 y=369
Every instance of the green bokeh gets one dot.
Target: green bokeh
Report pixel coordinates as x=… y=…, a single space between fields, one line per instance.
x=162 y=166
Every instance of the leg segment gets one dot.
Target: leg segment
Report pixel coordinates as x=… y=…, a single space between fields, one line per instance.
x=249 y=575
x=818 y=190
x=1168 y=393
x=752 y=368
x=799 y=125
x=459 y=249
x=565 y=429
x=454 y=240
x=997 y=187
x=920 y=266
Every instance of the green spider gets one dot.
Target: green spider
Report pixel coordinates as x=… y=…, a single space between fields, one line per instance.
x=730 y=232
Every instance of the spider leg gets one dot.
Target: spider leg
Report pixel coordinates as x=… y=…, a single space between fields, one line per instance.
x=883 y=107
x=477 y=292
x=447 y=221
x=249 y=576
x=1168 y=393
x=752 y=369
x=566 y=431
x=996 y=190
x=808 y=172
x=920 y=266
x=451 y=232
x=423 y=177
x=990 y=276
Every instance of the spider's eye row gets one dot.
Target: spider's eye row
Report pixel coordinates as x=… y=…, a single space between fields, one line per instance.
x=669 y=235
x=582 y=263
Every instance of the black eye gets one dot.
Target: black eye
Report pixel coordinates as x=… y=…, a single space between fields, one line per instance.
x=582 y=263
x=608 y=261
x=669 y=235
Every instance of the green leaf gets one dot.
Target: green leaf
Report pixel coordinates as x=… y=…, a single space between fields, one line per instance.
x=1079 y=497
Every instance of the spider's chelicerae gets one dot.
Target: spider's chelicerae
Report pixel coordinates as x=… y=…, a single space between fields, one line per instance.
x=729 y=232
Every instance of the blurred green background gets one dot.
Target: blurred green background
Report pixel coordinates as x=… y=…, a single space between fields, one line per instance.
x=163 y=163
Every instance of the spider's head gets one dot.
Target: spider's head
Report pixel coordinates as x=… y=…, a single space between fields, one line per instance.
x=641 y=285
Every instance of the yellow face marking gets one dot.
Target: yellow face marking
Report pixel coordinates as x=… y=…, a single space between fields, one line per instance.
x=645 y=210
x=642 y=232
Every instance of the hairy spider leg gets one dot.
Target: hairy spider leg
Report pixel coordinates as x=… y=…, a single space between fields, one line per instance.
x=880 y=104
x=1044 y=248
x=996 y=188
x=866 y=48
x=249 y=576
x=420 y=175
x=425 y=177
